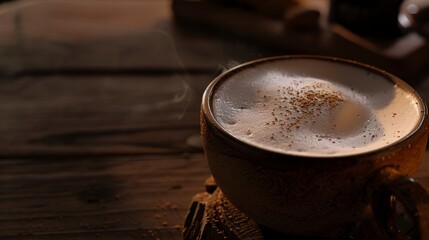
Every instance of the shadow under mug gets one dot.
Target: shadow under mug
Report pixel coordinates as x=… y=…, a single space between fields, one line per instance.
x=321 y=196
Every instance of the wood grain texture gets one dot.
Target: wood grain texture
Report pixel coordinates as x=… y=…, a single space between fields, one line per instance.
x=99 y=114
x=117 y=197
x=107 y=35
x=95 y=121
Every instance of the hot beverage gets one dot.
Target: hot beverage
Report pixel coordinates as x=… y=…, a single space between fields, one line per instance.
x=312 y=108
x=314 y=146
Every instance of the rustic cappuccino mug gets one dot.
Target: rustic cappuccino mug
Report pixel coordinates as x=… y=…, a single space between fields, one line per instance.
x=313 y=146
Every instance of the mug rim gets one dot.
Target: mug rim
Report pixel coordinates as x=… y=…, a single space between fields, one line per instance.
x=206 y=106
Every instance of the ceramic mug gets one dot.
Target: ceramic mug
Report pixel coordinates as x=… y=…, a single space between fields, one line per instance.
x=311 y=194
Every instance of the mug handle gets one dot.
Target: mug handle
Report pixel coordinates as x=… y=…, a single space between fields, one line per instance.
x=400 y=206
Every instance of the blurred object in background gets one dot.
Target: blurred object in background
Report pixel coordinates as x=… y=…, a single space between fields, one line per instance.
x=273 y=8
x=414 y=16
x=382 y=18
x=297 y=14
x=377 y=18
x=361 y=30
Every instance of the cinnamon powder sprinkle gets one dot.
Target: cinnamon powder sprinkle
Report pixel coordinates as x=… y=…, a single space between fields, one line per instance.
x=302 y=105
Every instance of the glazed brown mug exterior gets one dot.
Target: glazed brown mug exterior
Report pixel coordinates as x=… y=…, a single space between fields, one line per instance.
x=319 y=196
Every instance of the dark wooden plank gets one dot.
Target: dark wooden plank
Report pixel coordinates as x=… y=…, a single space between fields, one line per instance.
x=116 y=197
x=99 y=114
x=112 y=197
x=114 y=35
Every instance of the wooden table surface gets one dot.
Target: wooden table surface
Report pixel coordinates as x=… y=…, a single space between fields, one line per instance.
x=99 y=131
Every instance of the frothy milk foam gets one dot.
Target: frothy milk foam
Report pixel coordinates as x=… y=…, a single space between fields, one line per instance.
x=314 y=108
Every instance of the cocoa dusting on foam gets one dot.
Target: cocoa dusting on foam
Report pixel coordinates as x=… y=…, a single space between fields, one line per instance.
x=325 y=110
x=298 y=106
